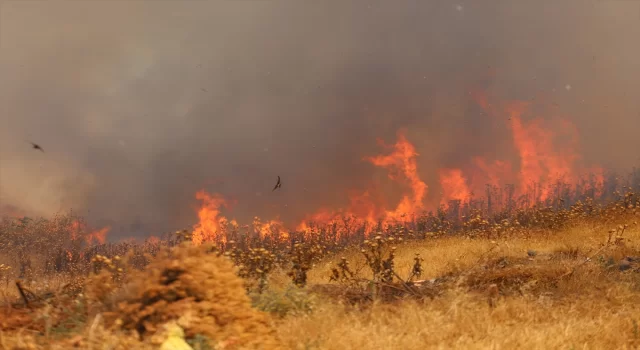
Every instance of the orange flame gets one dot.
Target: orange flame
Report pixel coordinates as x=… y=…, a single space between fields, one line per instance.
x=403 y=160
x=542 y=161
x=98 y=236
x=74 y=229
x=78 y=229
x=402 y=167
x=210 y=219
x=271 y=228
x=493 y=174
x=454 y=186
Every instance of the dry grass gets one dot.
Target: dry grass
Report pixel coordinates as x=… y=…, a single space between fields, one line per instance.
x=561 y=284
x=447 y=254
x=595 y=307
x=462 y=321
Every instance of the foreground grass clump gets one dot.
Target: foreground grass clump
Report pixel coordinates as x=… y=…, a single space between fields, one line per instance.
x=201 y=291
x=186 y=295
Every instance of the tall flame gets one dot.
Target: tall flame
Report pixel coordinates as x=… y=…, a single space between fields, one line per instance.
x=454 y=186
x=209 y=215
x=403 y=160
x=402 y=167
x=542 y=161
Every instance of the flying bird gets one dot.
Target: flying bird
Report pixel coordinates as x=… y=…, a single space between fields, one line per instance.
x=278 y=185
x=35 y=146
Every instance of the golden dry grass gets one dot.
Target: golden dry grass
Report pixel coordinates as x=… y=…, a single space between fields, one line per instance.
x=593 y=308
x=462 y=321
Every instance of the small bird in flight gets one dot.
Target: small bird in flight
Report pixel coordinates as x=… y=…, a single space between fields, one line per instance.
x=278 y=185
x=35 y=146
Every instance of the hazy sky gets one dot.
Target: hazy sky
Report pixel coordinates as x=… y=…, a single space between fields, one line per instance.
x=140 y=104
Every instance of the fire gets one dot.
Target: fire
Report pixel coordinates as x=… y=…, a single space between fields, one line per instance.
x=543 y=156
x=78 y=229
x=98 y=236
x=75 y=229
x=213 y=224
x=322 y=216
x=543 y=161
x=366 y=208
x=210 y=219
x=494 y=174
x=454 y=186
x=539 y=163
x=402 y=161
x=271 y=228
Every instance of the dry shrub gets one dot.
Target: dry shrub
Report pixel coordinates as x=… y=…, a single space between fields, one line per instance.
x=516 y=275
x=291 y=300
x=200 y=290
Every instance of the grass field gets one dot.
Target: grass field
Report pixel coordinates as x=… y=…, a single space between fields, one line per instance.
x=538 y=304
x=569 y=281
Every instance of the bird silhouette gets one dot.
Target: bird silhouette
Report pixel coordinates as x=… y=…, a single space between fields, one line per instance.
x=278 y=185
x=35 y=146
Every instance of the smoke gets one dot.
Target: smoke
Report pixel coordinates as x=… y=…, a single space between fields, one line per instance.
x=138 y=105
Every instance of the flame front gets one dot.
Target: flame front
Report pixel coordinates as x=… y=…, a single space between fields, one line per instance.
x=540 y=162
x=366 y=208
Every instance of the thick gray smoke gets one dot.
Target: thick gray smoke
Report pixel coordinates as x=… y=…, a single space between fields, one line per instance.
x=140 y=104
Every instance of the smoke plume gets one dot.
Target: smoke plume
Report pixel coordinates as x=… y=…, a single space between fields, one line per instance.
x=139 y=105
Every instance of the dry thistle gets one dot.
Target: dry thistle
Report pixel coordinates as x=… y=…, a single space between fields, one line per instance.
x=416 y=269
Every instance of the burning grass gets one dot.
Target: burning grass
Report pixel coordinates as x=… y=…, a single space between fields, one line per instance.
x=538 y=278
